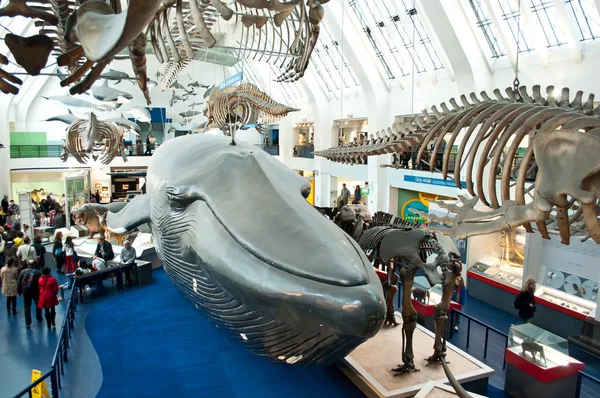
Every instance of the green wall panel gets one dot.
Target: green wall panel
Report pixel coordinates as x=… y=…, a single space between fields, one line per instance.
x=27 y=138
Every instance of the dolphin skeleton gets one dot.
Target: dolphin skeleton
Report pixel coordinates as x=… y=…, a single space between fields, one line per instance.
x=240 y=242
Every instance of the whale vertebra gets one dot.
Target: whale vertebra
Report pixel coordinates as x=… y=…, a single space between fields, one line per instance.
x=238 y=239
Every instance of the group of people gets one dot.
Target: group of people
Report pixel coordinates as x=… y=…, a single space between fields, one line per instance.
x=345 y=195
x=28 y=277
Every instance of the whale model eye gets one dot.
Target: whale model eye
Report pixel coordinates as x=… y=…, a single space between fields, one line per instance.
x=305 y=191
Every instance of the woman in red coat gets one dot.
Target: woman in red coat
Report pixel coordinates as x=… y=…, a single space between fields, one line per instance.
x=48 y=290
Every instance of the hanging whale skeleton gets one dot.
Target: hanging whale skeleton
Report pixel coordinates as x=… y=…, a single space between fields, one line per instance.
x=87 y=37
x=260 y=277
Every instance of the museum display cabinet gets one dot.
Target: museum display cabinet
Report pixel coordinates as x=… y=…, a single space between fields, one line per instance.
x=425 y=306
x=538 y=363
x=77 y=190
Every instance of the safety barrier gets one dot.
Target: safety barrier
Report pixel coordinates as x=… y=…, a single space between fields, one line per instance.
x=54 y=151
x=304 y=151
x=61 y=355
x=272 y=150
x=582 y=390
x=488 y=328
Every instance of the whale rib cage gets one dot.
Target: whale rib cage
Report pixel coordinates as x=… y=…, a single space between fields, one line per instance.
x=560 y=135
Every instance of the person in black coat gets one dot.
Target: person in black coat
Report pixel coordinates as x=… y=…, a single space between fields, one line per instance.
x=104 y=250
x=525 y=301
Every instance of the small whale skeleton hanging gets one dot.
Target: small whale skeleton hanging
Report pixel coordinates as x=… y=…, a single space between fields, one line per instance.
x=242 y=107
x=93 y=138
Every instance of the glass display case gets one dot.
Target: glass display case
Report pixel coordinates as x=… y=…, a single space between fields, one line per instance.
x=504 y=256
x=539 y=346
x=77 y=190
x=490 y=267
x=566 y=300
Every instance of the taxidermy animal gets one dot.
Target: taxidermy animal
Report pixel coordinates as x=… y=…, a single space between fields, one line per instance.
x=260 y=277
x=421 y=295
x=93 y=216
x=37 y=195
x=533 y=348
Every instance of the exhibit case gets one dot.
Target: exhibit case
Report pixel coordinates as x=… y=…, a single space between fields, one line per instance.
x=567 y=301
x=77 y=190
x=538 y=364
x=503 y=261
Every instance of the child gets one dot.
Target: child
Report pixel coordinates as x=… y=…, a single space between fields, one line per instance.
x=69 y=250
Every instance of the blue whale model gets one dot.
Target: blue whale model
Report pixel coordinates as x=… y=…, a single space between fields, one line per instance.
x=238 y=239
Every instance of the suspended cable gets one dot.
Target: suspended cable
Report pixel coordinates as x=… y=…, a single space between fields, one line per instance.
x=412 y=12
x=516 y=82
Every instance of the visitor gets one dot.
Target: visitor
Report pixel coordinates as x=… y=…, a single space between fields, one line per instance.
x=97 y=196
x=40 y=251
x=11 y=218
x=44 y=206
x=28 y=287
x=63 y=201
x=14 y=208
x=148 y=145
x=138 y=145
x=128 y=256
x=525 y=301
x=16 y=225
x=57 y=252
x=44 y=221
x=4 y=217
x=357 y=195
x=59 y=220
x=26 y=231
x=2 y=246
x=10 y=275
x=19 y=240
x=26 y=252
x=99 y=263
x=48 y=287
x=5 y=204
x=104 y=250
x=69 y=250
x=345 y=195
x=459 y=296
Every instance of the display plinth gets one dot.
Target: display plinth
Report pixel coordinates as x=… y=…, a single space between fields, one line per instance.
x=439 y=390
x=527 y=379
x=369 y=365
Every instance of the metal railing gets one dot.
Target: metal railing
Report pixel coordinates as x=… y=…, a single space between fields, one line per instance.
x=304 y=151
x=54 y=151
x=272 y=150
x=57 y=369
x=407 y=159
x=487 y=327
x=581 y=376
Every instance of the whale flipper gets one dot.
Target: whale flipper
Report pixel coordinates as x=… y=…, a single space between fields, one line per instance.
x=134 y=214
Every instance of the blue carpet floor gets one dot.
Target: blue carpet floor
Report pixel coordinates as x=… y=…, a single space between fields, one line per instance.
x=152 y=343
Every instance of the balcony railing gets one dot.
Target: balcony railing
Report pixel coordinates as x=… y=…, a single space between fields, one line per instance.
x=408 y=160
x=272 y=150
x=54 y=151
x=304 y=151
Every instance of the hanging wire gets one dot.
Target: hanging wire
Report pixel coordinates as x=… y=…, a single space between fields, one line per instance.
x=342 y=67
x=516 y=82
x=412 y=12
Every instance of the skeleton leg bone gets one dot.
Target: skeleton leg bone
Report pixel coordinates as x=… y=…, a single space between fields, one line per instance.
x=409 y=323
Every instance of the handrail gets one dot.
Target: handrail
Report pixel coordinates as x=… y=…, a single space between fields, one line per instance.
x=487 y=332
x=580 y=376
x=54 y=151
x=61 y=352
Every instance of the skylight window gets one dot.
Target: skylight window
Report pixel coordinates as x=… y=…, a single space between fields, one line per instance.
x=485 y=23
x=511 y=14
x=424 y=39
x=545 y=12
x=587 y=18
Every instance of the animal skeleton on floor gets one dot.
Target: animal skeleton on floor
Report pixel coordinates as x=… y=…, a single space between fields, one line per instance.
x=404 y=248
x=564 y=142
x=239 y=107
x=93 y=138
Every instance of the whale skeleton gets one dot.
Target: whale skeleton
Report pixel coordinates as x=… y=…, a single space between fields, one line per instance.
x=93 y=138
x=554 y=184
